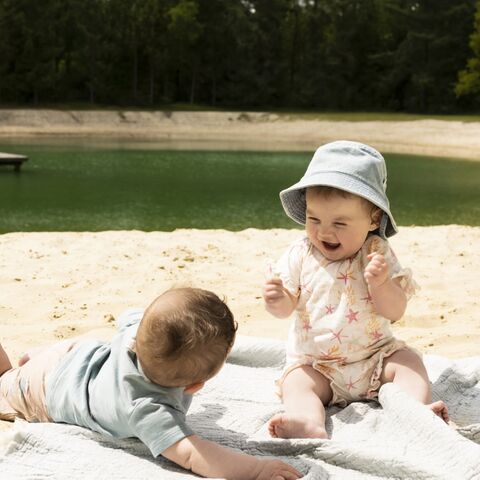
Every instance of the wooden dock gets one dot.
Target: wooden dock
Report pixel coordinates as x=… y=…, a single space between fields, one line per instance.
x=11 y=159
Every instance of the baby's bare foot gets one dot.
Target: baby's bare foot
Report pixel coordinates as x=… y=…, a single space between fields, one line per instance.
x=439 y=408
x=282 y=425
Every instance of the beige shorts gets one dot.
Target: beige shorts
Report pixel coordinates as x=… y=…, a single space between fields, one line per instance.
x=22 y=389
x=350 y=382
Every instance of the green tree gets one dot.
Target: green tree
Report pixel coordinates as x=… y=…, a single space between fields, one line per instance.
x=469 y=79
x=91 y=66
x=328 y=54
x=31 y=62
x=153 y=36
x=5 y=54
x=222 y=51
x=431 y=47
x=352 y=42
x=184 y=30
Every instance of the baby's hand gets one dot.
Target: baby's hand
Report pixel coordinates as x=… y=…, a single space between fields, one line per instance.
x=377 y=271
x=278 y=300
x=273 y=290
x=276 y=470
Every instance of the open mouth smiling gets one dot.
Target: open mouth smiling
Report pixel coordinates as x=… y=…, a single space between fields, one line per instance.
x=330 y=246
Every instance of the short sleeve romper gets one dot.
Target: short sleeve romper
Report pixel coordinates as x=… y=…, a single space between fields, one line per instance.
x=335 y=328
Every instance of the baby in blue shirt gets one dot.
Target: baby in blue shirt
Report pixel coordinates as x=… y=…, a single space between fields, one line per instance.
x=140 y=384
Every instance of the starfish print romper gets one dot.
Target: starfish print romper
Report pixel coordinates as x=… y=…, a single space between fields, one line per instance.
x=336 y=329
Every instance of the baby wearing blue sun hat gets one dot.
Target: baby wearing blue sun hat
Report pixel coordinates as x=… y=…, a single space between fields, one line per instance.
x=344 y=286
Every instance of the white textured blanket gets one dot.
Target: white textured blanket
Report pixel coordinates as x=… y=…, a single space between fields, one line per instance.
x=397 y=439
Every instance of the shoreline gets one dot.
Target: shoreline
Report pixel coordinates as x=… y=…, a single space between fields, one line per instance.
x=243 y=131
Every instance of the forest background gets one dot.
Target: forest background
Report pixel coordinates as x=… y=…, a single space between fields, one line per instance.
x=372 y=55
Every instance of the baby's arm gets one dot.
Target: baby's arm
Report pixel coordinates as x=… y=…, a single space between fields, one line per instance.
x=278 y=300
x=212 y=460
x=388 y=297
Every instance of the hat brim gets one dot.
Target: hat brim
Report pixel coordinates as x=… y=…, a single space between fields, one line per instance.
x=293 y=198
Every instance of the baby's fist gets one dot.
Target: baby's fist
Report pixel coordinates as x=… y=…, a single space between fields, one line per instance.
x=273 y=290
x=377 y=271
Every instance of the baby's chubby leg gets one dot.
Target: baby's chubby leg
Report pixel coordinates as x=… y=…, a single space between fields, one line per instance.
x=406 y=369
x=22 y=389
x=304 y=393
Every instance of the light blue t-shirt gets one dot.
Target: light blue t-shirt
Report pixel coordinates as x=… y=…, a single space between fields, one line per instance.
x=99 y=386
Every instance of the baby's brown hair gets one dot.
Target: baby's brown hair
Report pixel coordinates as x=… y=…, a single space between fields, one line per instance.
x=184 y=337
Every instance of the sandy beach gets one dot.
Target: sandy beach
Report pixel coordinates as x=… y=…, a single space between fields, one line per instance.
x=57 y=285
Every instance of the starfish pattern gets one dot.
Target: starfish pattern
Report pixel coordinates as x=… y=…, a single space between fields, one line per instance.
x=351 y=384
x=306 y=326
x=376 y=335
x=329 y=309
x=352 y=316
x=332 y=354
x=346 y=276
x=338 y=335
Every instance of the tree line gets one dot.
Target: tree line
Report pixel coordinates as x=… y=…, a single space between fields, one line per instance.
x=394 y=55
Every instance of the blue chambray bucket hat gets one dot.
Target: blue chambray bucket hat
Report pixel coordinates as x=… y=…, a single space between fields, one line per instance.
x=350 y=166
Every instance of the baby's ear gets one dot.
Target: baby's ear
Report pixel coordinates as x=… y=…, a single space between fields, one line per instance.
x=194 y=388
x=376 y=217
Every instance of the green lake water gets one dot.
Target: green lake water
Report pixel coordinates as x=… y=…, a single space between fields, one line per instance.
x=68 y=187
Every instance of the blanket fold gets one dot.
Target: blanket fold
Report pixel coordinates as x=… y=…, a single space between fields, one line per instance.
x=397 y=438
